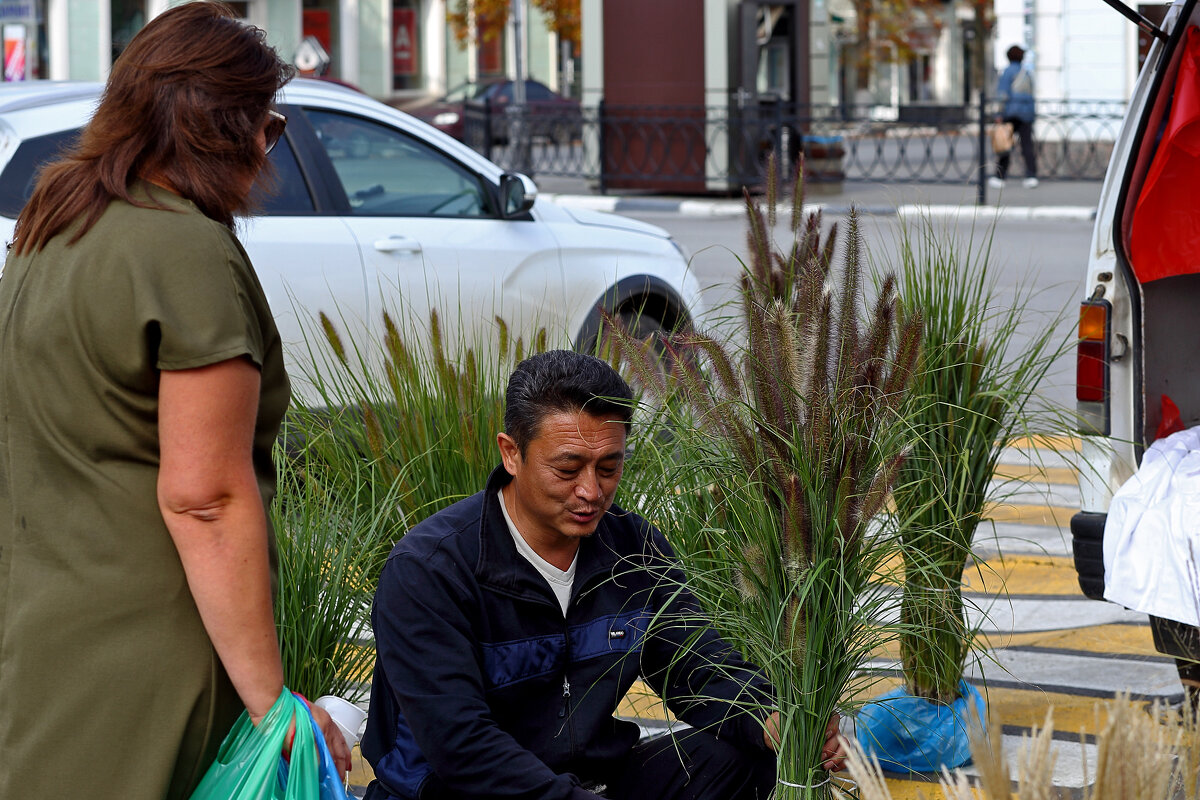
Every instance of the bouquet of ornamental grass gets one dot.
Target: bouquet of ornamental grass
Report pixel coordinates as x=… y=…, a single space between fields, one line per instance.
x=972 y=397
x=405 y=426
x=783 y=451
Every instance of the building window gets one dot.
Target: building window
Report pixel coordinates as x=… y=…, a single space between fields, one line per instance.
x=406 y=45
x=128 y=17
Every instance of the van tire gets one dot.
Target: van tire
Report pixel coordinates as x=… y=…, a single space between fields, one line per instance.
x=1087 y=545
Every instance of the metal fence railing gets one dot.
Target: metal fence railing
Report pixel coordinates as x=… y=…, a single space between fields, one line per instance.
x=718 y=148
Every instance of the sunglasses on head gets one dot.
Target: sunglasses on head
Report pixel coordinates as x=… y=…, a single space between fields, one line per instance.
x=273 y=130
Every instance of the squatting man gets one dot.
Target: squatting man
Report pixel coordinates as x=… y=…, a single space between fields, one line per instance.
x=510 y=625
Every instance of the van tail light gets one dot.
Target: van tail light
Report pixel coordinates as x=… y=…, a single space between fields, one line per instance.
x=1091 y=365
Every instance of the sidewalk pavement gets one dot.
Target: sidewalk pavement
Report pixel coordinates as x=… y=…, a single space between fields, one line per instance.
x=1050 y=200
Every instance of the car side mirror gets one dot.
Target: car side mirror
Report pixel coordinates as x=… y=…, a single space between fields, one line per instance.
x=517 y=193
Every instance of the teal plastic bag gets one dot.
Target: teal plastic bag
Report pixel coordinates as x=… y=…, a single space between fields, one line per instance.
x=250 y=765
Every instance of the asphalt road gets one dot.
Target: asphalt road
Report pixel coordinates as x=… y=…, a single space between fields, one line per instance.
x=1045 y=258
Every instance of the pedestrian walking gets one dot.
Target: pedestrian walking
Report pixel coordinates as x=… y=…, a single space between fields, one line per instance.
x=141 y=391
x=1015 y=89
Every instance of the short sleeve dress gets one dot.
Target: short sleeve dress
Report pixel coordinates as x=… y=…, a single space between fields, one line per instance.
x=109 y=685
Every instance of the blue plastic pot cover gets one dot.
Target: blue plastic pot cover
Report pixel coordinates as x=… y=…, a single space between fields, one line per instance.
x=912 y=734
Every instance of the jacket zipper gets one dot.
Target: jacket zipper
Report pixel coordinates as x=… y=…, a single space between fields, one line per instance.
x=565 y=712
x=562 y=713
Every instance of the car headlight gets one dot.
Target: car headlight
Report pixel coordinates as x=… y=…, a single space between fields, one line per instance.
x=446 y=118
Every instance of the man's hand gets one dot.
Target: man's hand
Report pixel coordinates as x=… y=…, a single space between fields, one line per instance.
x=334 y=739
x=771 y=732
x=833 y=755
x=329 y=731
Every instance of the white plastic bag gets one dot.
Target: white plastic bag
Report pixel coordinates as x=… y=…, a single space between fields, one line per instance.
x=1152 y=534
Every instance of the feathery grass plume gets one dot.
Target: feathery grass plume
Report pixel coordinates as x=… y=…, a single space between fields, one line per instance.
x=795 y=428
x=975 y=377
x=332 y=336
x=502 y=337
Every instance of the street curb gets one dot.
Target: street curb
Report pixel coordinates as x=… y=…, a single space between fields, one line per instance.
x=728 y=208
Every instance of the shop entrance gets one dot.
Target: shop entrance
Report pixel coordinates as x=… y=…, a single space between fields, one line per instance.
x=770 y=106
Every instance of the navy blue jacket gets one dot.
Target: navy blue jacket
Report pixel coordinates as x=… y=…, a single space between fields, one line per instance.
x=483 y=689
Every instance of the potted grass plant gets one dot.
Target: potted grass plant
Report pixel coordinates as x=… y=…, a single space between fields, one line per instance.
x=973 y=395
x=405 y=425
x=327 y=542
x=781 y=456
x=418 y=409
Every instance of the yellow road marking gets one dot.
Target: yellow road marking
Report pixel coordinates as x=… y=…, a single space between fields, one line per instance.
x=1054 y=516
x=1060 y=476
x=1059 y=443
x=1022 y=574
x=1133 y=640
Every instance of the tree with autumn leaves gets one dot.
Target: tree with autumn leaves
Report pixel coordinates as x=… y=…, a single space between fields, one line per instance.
x=491 y=16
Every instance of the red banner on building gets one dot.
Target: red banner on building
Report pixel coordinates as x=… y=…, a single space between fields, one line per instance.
x=318 y=22
x=404 y=41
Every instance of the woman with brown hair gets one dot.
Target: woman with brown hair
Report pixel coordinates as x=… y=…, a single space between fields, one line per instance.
x=141 y=390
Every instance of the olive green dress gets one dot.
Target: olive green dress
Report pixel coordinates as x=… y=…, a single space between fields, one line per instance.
x=109 y=686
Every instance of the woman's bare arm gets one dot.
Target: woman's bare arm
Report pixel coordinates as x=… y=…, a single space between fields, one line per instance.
x=210 y=501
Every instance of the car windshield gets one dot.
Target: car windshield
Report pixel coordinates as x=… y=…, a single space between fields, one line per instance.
x=465 y=91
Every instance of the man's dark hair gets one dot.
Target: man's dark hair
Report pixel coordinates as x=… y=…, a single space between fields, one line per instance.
x=1015 y=53
x=562 y=381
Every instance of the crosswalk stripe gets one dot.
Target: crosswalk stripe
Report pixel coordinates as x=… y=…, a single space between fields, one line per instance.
x=1110 y=639
x=1059 y=516
x=1058 y=476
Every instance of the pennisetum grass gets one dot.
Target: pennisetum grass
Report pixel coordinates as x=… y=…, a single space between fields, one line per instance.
x=400 y=426
x=328 y=541
x=413 y=412
x=973 y=395
x=782 y=454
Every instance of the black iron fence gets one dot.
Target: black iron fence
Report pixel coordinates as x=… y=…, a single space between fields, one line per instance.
x=719 y=149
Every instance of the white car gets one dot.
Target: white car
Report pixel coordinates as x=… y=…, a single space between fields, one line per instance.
x=376 y=210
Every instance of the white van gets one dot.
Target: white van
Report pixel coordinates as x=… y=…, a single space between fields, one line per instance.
x=1139 y=329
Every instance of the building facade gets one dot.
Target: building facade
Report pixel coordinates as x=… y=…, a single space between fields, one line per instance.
x=391 y=49
x=1078 y=49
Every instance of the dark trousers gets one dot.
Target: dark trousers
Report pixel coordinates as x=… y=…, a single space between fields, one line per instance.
x=1023 y=131
x=691 y=766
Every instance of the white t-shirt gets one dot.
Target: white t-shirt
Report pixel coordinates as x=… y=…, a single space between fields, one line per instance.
x=560 y=580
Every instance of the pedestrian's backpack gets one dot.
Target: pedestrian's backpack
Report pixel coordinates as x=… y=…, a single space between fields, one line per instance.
x=1023 y=83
